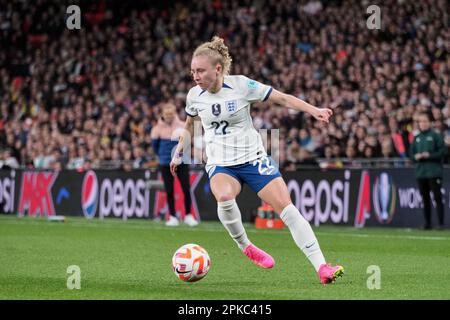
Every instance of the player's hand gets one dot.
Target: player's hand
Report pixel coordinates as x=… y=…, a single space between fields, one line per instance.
x=425 y=155
x=418 y=156
x=176 y=161
x=323 y=114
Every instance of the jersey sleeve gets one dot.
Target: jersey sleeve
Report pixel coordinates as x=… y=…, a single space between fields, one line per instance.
x=190 y=109
x=255 y=91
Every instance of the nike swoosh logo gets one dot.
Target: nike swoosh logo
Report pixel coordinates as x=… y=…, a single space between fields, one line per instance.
x=178 y=271
x=307 y=247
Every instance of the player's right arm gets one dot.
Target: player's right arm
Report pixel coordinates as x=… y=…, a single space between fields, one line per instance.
x=183 y=143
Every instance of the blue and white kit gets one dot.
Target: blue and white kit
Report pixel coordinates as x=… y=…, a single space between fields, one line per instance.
x=233 y=146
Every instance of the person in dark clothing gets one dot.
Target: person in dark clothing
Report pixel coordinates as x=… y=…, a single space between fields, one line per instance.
x=428 y=152
x=163 y=141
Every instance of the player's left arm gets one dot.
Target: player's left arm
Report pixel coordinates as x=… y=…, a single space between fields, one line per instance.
x=289 y=101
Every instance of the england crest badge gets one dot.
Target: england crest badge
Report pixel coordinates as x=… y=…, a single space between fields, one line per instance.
x=231 y=105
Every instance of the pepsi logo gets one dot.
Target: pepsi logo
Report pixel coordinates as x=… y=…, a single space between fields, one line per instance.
x=89 y=194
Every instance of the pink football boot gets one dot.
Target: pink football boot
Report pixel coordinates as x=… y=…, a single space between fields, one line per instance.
x=259 y=257
x=328 y=273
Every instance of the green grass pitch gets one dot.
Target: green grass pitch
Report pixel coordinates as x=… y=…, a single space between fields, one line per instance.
x=132 y=260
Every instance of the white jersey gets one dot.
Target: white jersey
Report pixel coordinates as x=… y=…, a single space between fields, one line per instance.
x=230 y=136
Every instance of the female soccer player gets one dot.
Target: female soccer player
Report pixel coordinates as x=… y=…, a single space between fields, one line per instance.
x=236 y=155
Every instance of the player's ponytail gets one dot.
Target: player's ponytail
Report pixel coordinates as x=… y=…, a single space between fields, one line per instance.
x=217 y=51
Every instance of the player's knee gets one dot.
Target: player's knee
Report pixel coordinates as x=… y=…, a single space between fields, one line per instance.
x=280 y=205
x=226 y=206
x=224 y=197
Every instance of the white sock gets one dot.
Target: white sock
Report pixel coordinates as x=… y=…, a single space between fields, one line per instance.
x=230 y=216
x=303 y=235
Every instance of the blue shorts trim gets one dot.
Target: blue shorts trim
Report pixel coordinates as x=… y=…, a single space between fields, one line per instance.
x=256 y=174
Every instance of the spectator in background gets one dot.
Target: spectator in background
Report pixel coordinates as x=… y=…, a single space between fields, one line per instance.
x=140 y=159
x=387 y=150
x=293 y=152
x=7 y=160
x=428 y=152
x=306 y=158
x=78 y=159
x=399 y=138
x=351 y=153
x=165 y=136
x=306 y=141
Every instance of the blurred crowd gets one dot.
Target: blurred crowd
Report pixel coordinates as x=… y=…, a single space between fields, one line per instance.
x=89 y=98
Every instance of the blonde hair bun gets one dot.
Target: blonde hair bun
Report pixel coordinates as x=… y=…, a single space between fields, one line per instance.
x=217 y=51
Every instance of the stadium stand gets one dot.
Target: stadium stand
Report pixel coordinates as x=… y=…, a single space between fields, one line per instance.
x=88 y=98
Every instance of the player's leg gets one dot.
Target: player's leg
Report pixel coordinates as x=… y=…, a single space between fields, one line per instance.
x=225 y=189
x=436 y=184
x=424 y=189
x=168 y=186
x=183 y=176
x=276 y=194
